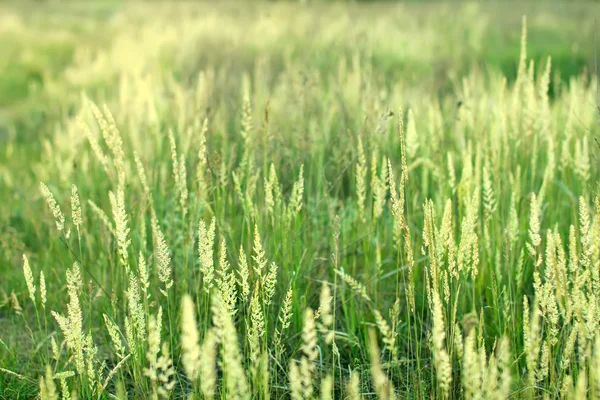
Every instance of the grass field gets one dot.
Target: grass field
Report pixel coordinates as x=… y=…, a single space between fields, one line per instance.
x=287 y=200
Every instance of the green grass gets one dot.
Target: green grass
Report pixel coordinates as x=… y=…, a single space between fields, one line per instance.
x=296 y=87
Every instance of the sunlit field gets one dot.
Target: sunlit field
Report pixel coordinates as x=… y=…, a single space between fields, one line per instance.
x=299 y=200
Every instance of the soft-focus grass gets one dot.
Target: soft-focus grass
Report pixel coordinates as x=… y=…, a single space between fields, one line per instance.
x=38 y=41
x=401 y=56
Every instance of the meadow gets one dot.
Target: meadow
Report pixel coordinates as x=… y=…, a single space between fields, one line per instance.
x=299 y=200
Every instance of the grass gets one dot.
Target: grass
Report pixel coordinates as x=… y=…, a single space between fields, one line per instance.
x=287 y=200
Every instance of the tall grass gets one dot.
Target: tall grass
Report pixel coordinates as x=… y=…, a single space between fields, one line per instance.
x=300 y=233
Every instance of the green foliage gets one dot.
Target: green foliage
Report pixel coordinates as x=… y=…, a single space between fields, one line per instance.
x=293 y=201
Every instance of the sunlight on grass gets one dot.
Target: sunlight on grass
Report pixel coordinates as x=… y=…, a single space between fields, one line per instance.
x=282 y=200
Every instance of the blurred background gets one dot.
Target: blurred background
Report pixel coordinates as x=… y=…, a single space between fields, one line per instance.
x=53 y=48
